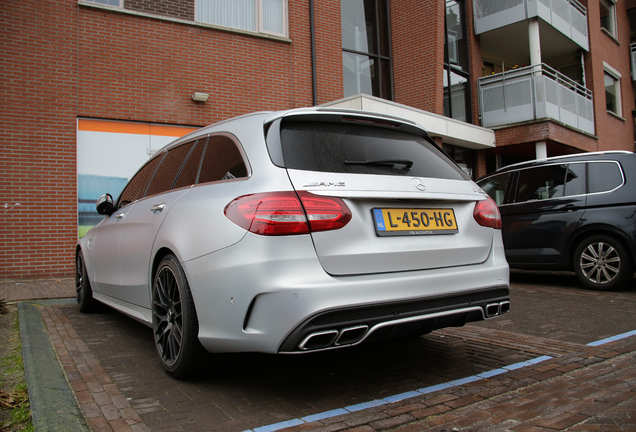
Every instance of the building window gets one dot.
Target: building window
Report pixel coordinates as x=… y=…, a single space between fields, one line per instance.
x=608 y=16
x=117 y=3
x=463 y=157
x=366 y=48
x=456 y=70
x=612 y=90
x=261 y=16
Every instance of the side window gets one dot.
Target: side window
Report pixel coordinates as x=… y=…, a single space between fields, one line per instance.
x=604 y=176
x=496 y=186
x=190 y=170
x=167 y=172
x=541 y=183
x=136 y=187
x=222 y=160
x=575 y=180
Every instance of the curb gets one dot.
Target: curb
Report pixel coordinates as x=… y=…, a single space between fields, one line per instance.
x=53 y=404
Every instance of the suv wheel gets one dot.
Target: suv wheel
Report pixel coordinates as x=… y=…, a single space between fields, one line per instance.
x=174 y=320
x=602 y=263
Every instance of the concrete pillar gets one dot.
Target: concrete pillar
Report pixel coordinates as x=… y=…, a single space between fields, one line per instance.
x=535 y=41
x=541 y=150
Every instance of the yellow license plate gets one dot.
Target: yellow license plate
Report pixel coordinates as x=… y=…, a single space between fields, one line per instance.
x=390 y=222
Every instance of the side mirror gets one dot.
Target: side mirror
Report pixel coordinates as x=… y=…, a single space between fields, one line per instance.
x=105 y=205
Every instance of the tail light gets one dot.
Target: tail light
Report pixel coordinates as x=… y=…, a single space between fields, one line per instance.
x=487 y=214
x=288 y=213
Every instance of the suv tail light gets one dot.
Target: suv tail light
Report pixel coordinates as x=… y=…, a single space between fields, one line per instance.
x=287 y=213
x=487 y=214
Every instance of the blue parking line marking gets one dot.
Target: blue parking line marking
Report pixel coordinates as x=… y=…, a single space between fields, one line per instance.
x=365 y=405
x=516 y=366
x=539 y=359
x=612 y=339
x=434 y=388
x=399 y=397
x=402 y=396
x=492 y=373
x=279 y=426
x=324 y=415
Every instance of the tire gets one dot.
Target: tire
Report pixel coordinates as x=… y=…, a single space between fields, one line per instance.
x=83 y=290
x=174 y=320
x=602 y=263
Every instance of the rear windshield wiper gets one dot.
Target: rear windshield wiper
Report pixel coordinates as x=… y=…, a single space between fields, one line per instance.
x=406 y=164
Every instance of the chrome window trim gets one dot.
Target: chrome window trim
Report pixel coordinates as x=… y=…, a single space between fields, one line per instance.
x=620 y=169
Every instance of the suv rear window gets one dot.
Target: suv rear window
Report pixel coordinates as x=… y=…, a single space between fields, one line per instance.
x=604 y=176
x=550 y=181
x=357 y=149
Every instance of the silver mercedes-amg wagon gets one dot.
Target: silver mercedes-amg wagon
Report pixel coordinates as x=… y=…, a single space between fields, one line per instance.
x=294 y=232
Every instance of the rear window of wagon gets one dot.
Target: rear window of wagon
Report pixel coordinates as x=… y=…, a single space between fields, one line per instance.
x=362 y=149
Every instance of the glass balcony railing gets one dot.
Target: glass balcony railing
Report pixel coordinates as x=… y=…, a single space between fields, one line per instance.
x=532 y=93
x=567 y=16
x=633 y=58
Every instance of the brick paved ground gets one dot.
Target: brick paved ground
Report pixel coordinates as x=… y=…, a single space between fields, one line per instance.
x=17 y=290
x=593 y=389
x=111 y=365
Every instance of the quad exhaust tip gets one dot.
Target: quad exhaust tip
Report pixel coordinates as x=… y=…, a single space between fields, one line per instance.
x=352 y=335
x=496 y=309
x=327 y=338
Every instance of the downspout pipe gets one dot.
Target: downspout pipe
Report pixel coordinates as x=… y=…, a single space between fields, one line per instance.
x=314 y=87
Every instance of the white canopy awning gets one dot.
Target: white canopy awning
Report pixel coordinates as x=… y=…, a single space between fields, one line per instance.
x=451 y=131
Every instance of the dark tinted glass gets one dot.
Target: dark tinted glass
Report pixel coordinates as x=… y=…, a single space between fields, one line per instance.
x=136 y=187
x=541 y=183
x=575 y=180
x=495 y=186
x=222 y=161
x=170 y=165
x=343 y=148
x=190 y=170
x=604 y=176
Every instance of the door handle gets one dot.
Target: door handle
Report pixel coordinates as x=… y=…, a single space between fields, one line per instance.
x=157 y=208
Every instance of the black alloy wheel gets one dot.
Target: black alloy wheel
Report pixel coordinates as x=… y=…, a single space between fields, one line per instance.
x=174 y=320
x=83 y=290
x=602 y=263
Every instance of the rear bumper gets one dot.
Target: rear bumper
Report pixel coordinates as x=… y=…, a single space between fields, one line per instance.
x=270 y=296
x=356 y=325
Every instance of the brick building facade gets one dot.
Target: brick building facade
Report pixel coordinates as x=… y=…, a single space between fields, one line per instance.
x=140 y=61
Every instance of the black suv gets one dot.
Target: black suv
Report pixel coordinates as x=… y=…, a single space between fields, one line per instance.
x=574 y=212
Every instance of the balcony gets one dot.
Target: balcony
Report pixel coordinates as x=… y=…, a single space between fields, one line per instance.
x=533 y=93
x=633 y=58
x=567 y=16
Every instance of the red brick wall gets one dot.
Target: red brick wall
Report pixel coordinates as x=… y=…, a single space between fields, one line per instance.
x=614 y=133
x=418 y=53
x=38 y=162
x=61 y=61
x=544 y=131
x=328 y=49
x=146 y=69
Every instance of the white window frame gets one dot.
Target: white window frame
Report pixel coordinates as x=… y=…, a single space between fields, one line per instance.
x=258 y=18
x=611 y=5
x=617 y=87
